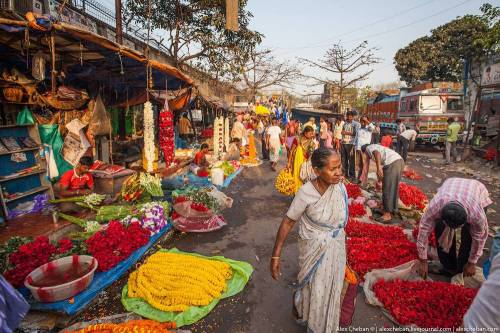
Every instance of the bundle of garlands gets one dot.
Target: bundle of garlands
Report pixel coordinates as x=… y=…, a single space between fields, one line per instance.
x=131 y=326
x=175 y=282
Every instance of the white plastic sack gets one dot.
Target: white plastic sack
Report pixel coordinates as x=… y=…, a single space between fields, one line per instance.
x=407 y=271
x=474 y=281
x=222 y=199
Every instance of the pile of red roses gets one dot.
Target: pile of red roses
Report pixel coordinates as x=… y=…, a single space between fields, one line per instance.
x=411 y=174
x=199 y=207
x=365 y=254
x=32 y=255
x=432 y=237
x=353 y=190
x=116 y=243
x=356 y=210
x=412 y=196
x=371 y=230
x=427 y=304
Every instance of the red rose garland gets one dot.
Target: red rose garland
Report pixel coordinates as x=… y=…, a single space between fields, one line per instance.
x=365 y=254
x=427 y=304
x=116 y=243
x=356 y=210
x=412 y=196
x=371 y=230
x=167 y=135
x=353 y=190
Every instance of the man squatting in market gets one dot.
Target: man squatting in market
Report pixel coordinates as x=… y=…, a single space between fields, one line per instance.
x=459 y=204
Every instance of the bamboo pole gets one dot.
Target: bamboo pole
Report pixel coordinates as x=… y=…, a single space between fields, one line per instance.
x=53 y=58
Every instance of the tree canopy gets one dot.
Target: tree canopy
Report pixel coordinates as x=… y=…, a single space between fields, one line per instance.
x=440 y=56
x=195 y=32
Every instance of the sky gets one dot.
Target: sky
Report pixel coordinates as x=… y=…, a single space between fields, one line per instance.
x=306 y=29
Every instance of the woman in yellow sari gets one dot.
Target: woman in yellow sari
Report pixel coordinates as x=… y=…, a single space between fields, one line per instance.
x=301 y=151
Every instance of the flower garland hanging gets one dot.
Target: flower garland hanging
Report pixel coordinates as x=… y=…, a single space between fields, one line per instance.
x=427 y=304
x=149 y=136
x=167 y=134
x=218 y=137
x=226 y=133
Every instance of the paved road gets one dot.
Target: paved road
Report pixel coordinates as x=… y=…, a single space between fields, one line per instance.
x=265 y=305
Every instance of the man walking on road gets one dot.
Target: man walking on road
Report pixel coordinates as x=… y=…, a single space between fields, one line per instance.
x=401 y=128
x=349 y=132
x=451 y=140
x=323 y=132
x=405 y=139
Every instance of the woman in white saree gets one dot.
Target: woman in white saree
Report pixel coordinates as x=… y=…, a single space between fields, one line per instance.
x=320 y=207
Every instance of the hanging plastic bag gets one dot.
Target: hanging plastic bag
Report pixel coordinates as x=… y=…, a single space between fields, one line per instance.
x=25 y=117
x=100 y=123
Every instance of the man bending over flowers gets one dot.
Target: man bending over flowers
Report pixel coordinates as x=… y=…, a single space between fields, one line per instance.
x=459 y=204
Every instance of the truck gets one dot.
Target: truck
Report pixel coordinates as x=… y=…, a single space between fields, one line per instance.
x=425 y=108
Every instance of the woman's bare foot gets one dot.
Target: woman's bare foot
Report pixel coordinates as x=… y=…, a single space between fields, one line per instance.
x=386 y=217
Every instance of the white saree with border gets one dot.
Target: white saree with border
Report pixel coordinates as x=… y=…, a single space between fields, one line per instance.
x=322 y=255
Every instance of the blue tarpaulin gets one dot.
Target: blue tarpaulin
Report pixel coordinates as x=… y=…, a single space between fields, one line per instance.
x=101 y=280
x=194 y=180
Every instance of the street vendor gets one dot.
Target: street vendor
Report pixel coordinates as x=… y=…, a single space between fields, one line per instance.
x=459 y=204
x=200 y=164
x=390 y=167
x=77 y=181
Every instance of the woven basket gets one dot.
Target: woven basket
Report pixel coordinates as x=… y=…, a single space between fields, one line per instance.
x=13 y=94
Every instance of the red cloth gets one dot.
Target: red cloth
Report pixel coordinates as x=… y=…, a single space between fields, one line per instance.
x=198 y=158
x=386 y=141
x=74 y=182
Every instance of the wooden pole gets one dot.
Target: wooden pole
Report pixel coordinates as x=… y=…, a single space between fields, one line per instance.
x=53 y=55
x=118 y=21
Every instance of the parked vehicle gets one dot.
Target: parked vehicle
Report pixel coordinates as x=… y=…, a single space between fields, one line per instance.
x=425 y=108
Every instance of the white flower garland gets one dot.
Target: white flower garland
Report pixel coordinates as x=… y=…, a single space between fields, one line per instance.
x=226 y=133
x=149 y=136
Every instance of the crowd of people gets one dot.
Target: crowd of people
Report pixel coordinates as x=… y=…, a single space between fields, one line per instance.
x=321 y=157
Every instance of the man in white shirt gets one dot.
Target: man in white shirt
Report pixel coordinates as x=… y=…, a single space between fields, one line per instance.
x=312 y=123
x=404 y=140
x=323 y=132
x=390 y=167
x=363 y=137
x=238 y=131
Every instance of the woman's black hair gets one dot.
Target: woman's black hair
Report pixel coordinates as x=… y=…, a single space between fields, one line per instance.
x=363 y=147
x=203 y=146
x=307 y=129
x=320 y=157
x=86 y=160
x=454 y=215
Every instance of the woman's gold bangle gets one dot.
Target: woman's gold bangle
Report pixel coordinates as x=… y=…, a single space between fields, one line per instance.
x=275 y=258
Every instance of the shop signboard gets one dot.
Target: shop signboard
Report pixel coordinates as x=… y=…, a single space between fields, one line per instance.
x=491 y=75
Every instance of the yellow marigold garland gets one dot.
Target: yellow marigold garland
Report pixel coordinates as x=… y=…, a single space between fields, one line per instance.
x=174 y=282
x=285 y=184
x=132 y=326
